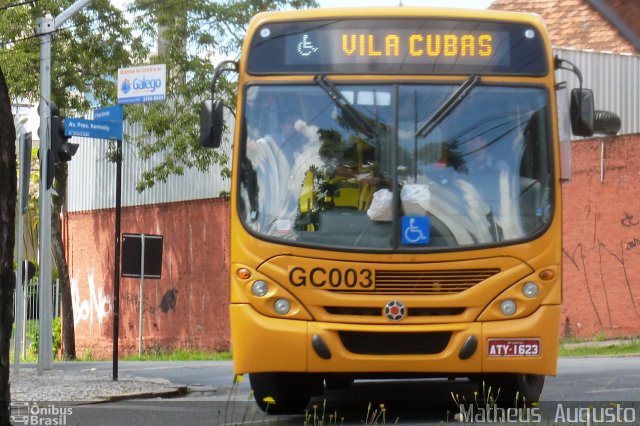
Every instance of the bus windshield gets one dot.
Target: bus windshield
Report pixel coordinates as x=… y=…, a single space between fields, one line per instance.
x=392 y=167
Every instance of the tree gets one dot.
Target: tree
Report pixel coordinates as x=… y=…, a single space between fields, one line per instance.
x=196 y=33
x=86 y=54
x=8 y=193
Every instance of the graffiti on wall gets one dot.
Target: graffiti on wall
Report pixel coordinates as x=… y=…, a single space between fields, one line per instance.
x=132 y=303
x=629 y=221
x=169 y=300
x=97 y=306
x=604 y=275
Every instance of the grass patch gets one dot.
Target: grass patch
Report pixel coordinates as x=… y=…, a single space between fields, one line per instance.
x=180 y=355
x=600 y=348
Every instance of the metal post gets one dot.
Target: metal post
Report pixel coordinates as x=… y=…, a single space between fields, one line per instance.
x=19 y=304
x=17 y=341
x=24 y=316
x=116 y=269
x=45 y=27
x=601 y=162
x=141 y=292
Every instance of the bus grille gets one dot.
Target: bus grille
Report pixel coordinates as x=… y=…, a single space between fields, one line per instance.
x=379 y=311
x=423 y=343
x=429 y=282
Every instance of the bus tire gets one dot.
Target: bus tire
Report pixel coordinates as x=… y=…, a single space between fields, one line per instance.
x=512 y=390
x=290 y=392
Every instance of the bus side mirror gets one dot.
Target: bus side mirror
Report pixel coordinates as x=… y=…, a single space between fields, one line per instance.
x=211 y=123
x=581 y=111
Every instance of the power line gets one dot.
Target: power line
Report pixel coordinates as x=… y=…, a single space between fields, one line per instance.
x=12 y=5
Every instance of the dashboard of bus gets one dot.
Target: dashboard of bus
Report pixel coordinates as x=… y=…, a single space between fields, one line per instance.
x=395 y=167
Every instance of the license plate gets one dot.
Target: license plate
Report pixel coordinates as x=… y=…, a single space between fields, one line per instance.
x=514 y=347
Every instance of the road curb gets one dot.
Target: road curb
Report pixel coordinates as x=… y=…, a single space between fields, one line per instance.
x=165 y=393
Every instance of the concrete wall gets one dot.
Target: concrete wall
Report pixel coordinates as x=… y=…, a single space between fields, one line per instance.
x=187 y=307
x=601 y=242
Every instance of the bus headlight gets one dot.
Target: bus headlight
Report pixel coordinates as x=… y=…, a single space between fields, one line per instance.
x=508 y=307
x=282 y=306
x=530 y=290
x=259 y=288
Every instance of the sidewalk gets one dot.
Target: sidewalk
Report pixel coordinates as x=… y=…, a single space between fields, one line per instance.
x=85 y=386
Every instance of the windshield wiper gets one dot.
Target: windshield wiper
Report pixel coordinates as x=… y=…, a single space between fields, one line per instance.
x=355 y=116
x=448 y=106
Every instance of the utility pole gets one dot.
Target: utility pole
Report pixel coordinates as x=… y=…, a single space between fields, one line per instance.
x=45 y=27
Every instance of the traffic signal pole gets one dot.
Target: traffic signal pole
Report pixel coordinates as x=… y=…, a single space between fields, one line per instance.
x=45 y=357
x=45 y=27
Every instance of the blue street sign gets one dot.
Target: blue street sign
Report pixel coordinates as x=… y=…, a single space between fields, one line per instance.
x=415 y=230
x=93 y=128
x=110 y=113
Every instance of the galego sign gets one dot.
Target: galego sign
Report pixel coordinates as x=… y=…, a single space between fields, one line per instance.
x=142 y=84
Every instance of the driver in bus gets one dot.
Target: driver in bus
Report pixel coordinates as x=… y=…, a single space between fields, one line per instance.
x=479 y=159
x=491 y=179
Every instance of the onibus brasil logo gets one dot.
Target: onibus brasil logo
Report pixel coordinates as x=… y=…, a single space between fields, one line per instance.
x=32 y=413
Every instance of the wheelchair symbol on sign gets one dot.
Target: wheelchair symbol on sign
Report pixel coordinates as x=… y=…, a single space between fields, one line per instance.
x=305 y=47
x=415 y=230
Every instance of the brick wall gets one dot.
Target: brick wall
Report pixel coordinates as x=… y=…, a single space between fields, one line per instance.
x=601 y=241
x=187 y=307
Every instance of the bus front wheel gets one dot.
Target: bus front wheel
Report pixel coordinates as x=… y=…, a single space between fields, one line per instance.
x=284 y=393
x=509 y=389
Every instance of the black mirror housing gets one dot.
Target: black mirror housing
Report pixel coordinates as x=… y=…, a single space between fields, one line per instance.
x=582 y=111
x=211 y=123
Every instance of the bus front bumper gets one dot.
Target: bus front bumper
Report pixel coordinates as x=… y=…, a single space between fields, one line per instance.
x=524 y=345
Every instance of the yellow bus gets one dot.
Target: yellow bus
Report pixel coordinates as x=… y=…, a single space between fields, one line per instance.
x=395 y=205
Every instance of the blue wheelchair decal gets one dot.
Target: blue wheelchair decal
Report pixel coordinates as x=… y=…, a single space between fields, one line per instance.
x=415 y=229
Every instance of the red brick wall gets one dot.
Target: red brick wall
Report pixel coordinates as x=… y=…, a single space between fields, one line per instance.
x=601 y=241
x=187 y=307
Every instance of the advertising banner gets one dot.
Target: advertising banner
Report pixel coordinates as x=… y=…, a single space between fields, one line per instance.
x=142 y=84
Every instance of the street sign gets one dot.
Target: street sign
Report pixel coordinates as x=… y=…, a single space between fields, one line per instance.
x=141 y=255
x=110 y=113
x=142 y=84
x=93 y=128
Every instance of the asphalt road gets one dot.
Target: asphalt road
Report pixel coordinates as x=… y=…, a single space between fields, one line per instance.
x=582 y=384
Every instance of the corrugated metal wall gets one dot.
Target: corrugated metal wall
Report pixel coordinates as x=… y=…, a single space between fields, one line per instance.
x=614 y=79
x=92 y=178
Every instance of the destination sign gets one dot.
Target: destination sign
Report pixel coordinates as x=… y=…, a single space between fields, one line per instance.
x=410 y=46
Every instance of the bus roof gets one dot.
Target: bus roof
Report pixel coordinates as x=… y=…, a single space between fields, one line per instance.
x=377 y=12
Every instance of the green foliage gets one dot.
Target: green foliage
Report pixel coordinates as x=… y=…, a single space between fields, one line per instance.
x=157 y=354
x=197 y=34
x=86 y=53
x=56 y=334
x=600 y=348
x=87 y=354
x=34 y=346
x=89 y=48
